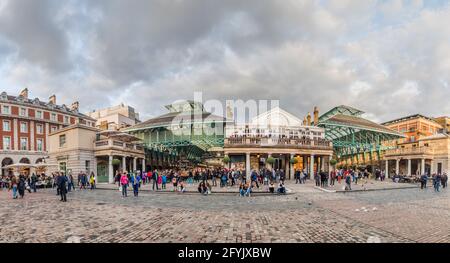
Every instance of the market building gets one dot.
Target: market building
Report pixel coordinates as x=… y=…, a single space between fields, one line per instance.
x=186 y=136
x=357 y=141
x=79 y=148
x=26 y=124
x=425 y=148
x=291 y=142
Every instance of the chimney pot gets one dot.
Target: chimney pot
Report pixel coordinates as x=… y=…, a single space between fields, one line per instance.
x=52 y=99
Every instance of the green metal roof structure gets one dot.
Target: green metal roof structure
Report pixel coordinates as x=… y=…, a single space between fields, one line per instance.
x=181 y=132
x=352 y=134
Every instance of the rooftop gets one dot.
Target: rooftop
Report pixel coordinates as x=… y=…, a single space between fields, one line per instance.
x=410 y=117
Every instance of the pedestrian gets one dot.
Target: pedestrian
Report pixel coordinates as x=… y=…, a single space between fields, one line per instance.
x=437 y=182
x=444 y=180
x=423 y=181
x=332 y=177
x=92 y=181
x=348 y=183
x=13 y=185
x=124 y=184
x=70 y=183
x=33 y=182
x=21 y=186
x=155 y=180
x=135 y=181
x=297 y=177
x=163 y=181
x=62 y=186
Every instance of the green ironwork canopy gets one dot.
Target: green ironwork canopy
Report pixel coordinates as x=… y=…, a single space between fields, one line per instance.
x=352 y=134
x=187 y=130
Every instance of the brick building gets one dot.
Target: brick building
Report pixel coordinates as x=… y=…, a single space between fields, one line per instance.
x=25 y=124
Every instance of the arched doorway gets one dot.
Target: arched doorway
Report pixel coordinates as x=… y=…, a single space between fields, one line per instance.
x=39 y=160
x=5 y=162
x=25 y=160
x=25 y=171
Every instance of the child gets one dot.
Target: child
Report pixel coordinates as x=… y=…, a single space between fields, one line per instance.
x=164 y=181
x=271 y=188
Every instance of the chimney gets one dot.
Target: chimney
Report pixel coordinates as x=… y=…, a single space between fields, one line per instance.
x=52 y=99
x=24 y=93
x=75 y=106
x=316 y=116
x=308 y=119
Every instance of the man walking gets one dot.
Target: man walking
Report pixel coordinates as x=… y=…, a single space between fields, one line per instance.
x=62 y=186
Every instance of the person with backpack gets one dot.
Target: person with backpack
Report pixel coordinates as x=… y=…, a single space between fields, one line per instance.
x=155 y=180
x=348 y=182
x=135 y=182
x=423 y=181
x=62 y=186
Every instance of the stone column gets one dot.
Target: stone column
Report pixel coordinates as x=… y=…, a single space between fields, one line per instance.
x=110 y=170
x=397 y=166
x=422 y=167
x=15 y=141
x=311 y=167
x=409 y=167
x=124 y=163
x=330 y=169
x=247 y=166
x=291 y=171
x=386 y=170
x=143 y=165
x=134 y=164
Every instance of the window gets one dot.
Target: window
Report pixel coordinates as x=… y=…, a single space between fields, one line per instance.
x=62 y=140
x=6 y=110
x=87 y=166
x=6 y=143
x=6 y=125
x=39 y=129
x=66 y=119
x=63 y=167
x=53 y=117
x=23 y=144
x=23 y=112
x=54 y=128
x=39 y=114
x=39 y=145
x=23 y=127
x=413 y=139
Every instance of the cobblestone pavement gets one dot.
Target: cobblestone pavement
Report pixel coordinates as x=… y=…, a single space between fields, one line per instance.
x=307 y=215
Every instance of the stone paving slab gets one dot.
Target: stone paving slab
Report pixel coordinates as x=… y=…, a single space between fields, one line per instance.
x=308 y=215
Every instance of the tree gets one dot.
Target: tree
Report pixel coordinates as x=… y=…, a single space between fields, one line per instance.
x=270 y=160
x=226 y=159
x=293 y=160
x=115 y=162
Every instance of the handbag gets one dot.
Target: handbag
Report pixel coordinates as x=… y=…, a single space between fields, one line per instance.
x=120 y=188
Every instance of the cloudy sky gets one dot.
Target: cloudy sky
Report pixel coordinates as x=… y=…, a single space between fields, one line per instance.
x=388 y=58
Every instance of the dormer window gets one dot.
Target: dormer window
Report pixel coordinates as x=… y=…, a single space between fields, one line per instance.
x=4 y=96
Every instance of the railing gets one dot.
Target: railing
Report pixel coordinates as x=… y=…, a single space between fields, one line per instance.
x=271 y=142
x=409 y=151
x=109 y=143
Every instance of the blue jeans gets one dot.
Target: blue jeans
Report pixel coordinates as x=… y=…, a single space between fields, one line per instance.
x=124 y=190
x=14 y=188
x=136 y=189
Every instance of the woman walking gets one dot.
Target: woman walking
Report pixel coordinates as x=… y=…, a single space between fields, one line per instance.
x=13 y=186
x=92 y=181
x=124 y=184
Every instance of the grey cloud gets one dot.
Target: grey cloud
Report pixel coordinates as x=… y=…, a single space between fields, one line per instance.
x=305 y=53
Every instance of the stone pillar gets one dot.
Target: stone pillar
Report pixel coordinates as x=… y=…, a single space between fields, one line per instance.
x=143 y=165
x=311 y=167
x=110 y=170
x=422 y=167
x=134 y=164
x=397 y=166
x=247 y=166
x=15 y=141
x=386 y=170
x=409 y=167
x=291 y=171
x=124 y=163
x=330 y=169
